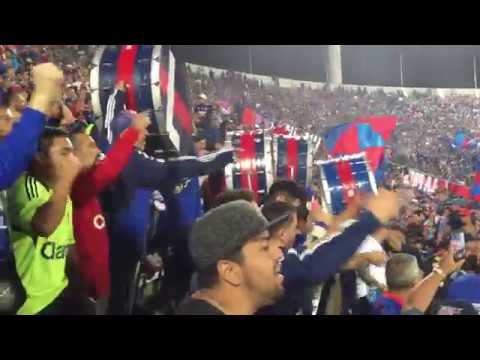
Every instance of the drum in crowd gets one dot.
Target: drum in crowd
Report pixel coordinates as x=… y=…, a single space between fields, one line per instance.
x=293 y=158
x=341 y=178
x=253 y=165
x=148 y=72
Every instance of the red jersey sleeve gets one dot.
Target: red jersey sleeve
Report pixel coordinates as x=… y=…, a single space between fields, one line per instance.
x=106 y=171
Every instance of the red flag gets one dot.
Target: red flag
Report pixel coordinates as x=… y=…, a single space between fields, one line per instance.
x=459 y=190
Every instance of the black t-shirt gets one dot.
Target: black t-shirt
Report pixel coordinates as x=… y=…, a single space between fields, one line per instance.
x=197 y=307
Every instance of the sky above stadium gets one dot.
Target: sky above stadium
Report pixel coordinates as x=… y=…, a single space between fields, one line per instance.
x=448 y=66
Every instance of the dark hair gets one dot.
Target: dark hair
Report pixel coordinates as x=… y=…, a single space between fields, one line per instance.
x=233 y=195
x=303 y=212
x=9 y=96
x=47 y=138
x=469 y=237
x=419 y=212
x=275 y=210
x=397 y=227
x=208 y=277
x=289 y=187
x=455 y=221
x=199 y=136
x=73 y=87
x=471 y=264
x=77 y=127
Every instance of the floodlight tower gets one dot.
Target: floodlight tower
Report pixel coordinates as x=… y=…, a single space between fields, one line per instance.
x=334 y=65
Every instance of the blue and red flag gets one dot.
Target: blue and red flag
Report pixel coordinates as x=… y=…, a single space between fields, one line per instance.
x=384 y=125
x=353 y=138
x=475 y=191
x=460 y=190
x=473 y=142
x=460 y=142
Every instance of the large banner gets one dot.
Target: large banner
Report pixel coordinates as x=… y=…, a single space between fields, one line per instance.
x=430 y=184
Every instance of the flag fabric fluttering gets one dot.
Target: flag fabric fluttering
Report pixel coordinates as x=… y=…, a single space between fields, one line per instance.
x=460 y=190
x=460 y=141
x=353 y=138
x=475 y=191
x=472 y=143
x=384 y=125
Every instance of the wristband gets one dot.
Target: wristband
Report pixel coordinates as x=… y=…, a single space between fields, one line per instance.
x=439 y=272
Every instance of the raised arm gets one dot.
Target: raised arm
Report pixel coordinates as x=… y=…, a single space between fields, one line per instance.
x=107 y=171
x=422 y=295
x=317 y=264
x=153 y=172
x=18 y=148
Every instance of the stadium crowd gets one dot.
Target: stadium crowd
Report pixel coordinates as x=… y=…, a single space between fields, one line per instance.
x=427 y=123
x=91 y=224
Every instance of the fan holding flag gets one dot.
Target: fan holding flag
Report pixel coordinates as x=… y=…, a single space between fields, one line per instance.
x=364 y=135
x=475 y=191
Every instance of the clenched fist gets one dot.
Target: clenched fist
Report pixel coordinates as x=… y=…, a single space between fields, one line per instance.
x=141 y=121
x=66 y=171
x=385 y=206
x=48 y=80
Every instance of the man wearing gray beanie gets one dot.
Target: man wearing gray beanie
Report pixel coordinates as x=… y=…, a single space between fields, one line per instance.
x=237 y=272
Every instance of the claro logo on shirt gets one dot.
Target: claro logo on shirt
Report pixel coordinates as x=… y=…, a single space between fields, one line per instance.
x=99 y=222
x=51 y=251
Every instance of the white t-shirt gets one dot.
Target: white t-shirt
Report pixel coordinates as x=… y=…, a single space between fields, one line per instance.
x=370 y=244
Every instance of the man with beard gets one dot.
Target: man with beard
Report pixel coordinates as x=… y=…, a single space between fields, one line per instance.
x=237 y=272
